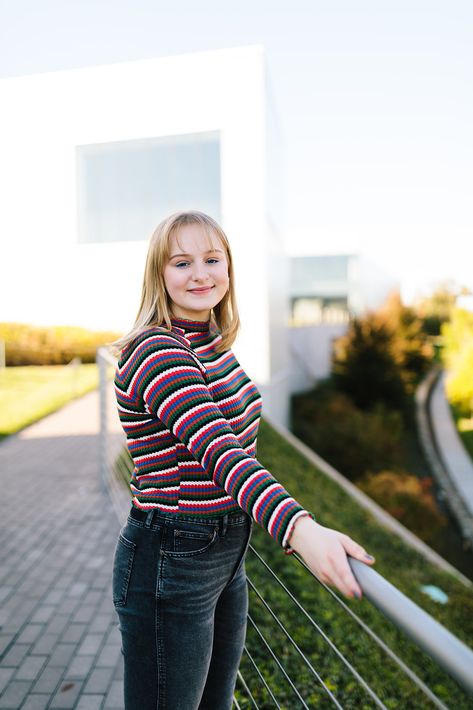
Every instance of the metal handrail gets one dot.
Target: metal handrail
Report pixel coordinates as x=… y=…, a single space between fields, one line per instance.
x=446 y=649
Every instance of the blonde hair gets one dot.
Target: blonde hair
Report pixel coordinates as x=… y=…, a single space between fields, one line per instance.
x=156 y=306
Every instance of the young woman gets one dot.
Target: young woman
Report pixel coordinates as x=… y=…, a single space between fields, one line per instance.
x=191 y=415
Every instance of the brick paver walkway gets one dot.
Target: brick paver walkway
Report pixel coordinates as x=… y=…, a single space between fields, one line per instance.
x=59 y=641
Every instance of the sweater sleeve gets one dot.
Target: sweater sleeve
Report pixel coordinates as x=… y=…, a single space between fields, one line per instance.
x=172 y=387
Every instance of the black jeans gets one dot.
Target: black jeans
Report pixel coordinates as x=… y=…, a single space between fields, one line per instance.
x=179 y=587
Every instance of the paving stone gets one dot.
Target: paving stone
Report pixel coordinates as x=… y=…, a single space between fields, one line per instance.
x=91 y=644
x=62 y=654
x=54 y=596
x=48 y=680
x=79 y=667
x=30 y=633
x=74 y=633
x=15 y=655
x=31 y=667
x=66 y=695
x=5 y=675
x=77 y=589
x=58 y=626
x=109 y=656
x=101 y=622
x=5 y=593
x=5 y=641
x=84 y=614
x=36 y=702
x=58 y=623
x=99 y=680
x=90 y=702
x=119 y=672
x=46 y=643
x=114 y=699
x=14 y=694
x=43 y=614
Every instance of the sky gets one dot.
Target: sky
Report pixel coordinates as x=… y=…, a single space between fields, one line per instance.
x=374 y=99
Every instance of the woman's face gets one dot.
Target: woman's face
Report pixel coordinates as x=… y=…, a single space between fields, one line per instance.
x=196 y=274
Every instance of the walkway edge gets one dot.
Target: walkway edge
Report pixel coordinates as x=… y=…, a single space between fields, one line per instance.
x=431 y=448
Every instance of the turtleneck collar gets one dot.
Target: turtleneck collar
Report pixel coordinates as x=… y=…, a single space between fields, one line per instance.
x=190 y=326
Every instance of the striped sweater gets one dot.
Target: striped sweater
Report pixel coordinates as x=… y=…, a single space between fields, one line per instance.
x=191 y=418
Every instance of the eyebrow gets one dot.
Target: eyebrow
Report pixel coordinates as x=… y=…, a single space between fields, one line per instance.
x=209 y=251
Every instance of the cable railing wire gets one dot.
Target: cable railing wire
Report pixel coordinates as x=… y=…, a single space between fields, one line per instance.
x=278 y=662
x=294 y=644
x=408 y=671
x=261 y=676
x=326 y=638
x=248 y=691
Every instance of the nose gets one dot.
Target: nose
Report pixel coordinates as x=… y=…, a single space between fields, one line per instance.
x=199 y=271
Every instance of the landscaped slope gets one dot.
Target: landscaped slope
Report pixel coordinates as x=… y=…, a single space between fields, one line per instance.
x=401 y=565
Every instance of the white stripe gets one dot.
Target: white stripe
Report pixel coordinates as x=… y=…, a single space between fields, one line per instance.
x=226 y=453
x=146 y=491
x=172 y=469
x=163 y=376
x=146 y=457
x=140 y=504
x=178 y=393
x=235 y=396
x=204 y=503
x=245 y=486
x=157 y=435
x=262 y=496
x=234 y=470
x=139 y=423
x=209 y=425
x=276 y=511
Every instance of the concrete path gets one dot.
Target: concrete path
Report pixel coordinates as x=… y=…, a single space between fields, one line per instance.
x=59 y=641
x=456 y=459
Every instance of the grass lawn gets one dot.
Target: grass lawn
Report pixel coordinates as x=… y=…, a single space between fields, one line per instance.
x=29 y=393
x=397 y=562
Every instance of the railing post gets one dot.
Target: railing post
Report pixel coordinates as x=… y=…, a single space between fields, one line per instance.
x=103 y=428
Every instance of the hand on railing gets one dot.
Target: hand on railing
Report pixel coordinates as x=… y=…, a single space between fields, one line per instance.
x=325 y=552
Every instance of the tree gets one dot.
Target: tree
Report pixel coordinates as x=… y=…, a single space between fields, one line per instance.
x=436 y=309
x=365 y=367
x=382 y=356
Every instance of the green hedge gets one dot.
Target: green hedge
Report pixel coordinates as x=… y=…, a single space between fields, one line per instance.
x=55 y=345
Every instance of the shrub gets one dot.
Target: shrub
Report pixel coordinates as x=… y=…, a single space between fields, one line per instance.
x=353 y=441
x=363 y=365
x=458 y=357
x=407 y=498
x=382 y=356
x=55 y=345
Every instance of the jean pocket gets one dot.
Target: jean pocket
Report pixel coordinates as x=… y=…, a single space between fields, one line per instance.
x=187 y=542
x=122 y=566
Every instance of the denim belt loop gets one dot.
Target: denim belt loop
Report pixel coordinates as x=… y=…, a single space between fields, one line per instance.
x=224 y=525
x=149 y=519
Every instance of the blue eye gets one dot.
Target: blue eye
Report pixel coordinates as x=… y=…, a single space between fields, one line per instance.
x=212 y=261
x=180 y=264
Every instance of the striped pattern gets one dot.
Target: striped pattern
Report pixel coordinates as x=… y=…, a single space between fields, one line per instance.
x=191 y=418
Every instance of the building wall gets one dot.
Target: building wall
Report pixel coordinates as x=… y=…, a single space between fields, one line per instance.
x=52 y=277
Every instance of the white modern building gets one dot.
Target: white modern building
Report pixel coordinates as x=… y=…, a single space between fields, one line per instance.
x=325 y=292
x=92 y=159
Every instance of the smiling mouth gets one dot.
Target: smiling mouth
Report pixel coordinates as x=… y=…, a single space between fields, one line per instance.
x=201 y=290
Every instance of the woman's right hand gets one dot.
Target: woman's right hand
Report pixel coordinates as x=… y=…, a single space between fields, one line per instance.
x=325 y=552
